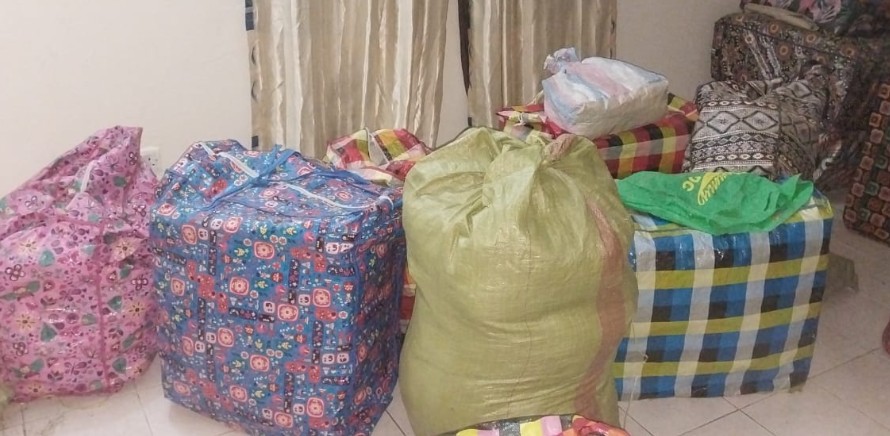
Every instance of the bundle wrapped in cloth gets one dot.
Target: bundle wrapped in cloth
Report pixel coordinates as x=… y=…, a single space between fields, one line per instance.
x=599 y=96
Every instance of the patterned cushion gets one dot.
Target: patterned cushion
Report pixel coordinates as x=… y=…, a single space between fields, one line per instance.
x=757 y=47
x=841 y=17
x=765 y=127
x=868 y=202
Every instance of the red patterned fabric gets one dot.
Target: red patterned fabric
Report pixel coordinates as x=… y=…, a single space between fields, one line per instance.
x=659 y=146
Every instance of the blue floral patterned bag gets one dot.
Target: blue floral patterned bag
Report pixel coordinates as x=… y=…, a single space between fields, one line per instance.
x=279 y=282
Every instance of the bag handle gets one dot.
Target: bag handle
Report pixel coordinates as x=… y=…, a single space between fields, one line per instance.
x=307 y=193
x=259 y=176
x=253 y=175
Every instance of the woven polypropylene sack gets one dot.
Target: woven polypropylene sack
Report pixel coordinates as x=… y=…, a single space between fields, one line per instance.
x=524 y=289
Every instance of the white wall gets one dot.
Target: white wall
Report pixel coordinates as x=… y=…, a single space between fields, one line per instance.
x=671 y=37
x=455 y=111
x=177 y=68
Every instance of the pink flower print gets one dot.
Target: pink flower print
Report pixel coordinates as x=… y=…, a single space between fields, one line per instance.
x=14 y=272
x=20 y=348
x=138 y=284
x=136 y=309
x=140 y=209
x=35 y=389
x=32 y=202
x=26 y=322
x=123 y=248
x=69 y=258
x=29 y=246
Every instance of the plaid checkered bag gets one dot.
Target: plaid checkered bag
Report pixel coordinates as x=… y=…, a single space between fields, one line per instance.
x=724 y=315
x=658 y=146
x=384 y=156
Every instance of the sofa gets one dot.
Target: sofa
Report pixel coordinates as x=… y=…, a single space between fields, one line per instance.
x=755 y=46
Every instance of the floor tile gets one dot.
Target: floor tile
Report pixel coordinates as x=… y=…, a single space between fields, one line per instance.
x=387 y=427
x=633 y=427
x=151 y=379
x=118 y=414
x=855 y=317
x=18 y=430
x=399 y=414
x=742 y=401
x=863 y=384
x=675 y=416
x=734 y=424
x=12 y=416
x=53 y=407
x=45 y=408
x=832 y=350
x=166 y=418
x=855 y=246
x=813 y=411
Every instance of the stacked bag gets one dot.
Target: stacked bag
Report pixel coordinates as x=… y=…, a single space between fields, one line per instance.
x=270 y=283
x=626 y=110
x=599 y=96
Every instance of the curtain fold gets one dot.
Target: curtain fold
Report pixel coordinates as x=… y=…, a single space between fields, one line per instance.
x=509 y=40
x=324 y=69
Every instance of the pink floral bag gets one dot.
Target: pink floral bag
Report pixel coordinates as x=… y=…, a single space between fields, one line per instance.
x=77 y=309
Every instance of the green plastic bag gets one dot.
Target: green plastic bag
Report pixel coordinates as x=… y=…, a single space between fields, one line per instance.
x=716 y=202
x=524 y=291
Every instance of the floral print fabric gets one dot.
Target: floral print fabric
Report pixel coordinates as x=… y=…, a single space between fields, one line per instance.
x=75 y=300
x=750 y=46
x=841 y=17
x=279 y=283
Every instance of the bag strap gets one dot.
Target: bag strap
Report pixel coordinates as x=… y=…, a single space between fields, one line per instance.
x=254 y=175
x=380 y=199
x=260 y=176
x=85 y=178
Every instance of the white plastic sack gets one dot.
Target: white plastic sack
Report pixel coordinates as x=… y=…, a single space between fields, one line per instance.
x=599 y=96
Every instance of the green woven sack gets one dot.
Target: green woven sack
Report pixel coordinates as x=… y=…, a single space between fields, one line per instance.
x=519 y=252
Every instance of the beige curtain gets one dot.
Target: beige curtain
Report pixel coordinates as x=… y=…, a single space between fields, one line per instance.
x=321 y=69
x=509 y=40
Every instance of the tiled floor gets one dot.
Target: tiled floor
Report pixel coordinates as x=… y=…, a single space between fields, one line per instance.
x=848 y=392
